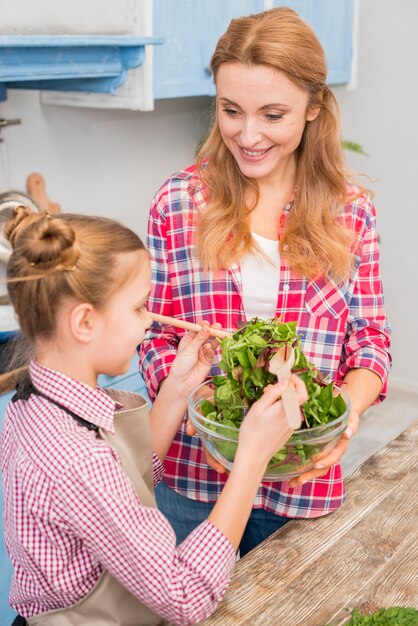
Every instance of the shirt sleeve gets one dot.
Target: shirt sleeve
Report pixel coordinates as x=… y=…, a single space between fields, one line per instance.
x=367 y=339
x=159 y=346
x=137 y=545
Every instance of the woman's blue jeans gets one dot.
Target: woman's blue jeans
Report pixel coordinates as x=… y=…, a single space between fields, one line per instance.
x=185 y=514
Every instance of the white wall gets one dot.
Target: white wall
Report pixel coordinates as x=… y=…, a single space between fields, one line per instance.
x=381 y=114
x=98 y=161
x=112 y=162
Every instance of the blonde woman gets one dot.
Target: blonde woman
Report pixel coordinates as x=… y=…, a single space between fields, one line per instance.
x=268 y=223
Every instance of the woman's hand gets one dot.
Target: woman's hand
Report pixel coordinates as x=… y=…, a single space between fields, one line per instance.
x=194 y=358
x=323 y=461
x=210 y=460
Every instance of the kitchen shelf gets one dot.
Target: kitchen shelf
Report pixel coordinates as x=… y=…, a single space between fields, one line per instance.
x=95 y=63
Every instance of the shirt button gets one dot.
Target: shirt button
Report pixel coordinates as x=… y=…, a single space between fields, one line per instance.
x=286 y=287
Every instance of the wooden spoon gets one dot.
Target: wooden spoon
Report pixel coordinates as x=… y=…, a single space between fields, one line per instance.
x=173 y=321
x=8 y=380
x=281 y=365
x=36 y=187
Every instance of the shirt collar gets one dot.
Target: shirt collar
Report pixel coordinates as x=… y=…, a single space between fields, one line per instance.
x=92 y=404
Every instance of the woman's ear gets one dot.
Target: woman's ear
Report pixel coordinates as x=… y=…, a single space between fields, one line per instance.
x=82 y=322
x=312 y=114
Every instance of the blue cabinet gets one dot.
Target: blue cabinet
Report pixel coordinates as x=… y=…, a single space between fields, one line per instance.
x=170 y=43
x=332 y=21
x=69 y=62
x=191 y=29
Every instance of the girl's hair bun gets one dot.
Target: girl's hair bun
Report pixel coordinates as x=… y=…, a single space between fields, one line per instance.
x=43 y=240
x=19 y=215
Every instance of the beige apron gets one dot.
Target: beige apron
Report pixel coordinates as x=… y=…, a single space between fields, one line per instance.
x=108 y=603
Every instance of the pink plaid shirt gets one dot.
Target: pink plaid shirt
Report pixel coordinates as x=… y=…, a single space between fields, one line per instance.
x=70 y=511
x=342 y=327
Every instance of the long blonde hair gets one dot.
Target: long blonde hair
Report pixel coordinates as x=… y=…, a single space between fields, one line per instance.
x=314 y=242
x=59 y=256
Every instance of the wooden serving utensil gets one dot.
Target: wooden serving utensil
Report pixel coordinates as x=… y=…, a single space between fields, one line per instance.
x=281 y=365
x=173 y=321
x=36 y=187
x=8 y=380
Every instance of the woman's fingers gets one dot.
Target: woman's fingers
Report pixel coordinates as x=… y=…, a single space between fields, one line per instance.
x=210 y=460
x=213 y=463
x=306 y=477
x=190 y=429
x=353 y=425
x=322 y=463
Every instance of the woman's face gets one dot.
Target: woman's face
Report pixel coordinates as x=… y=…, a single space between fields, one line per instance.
x=261 y=116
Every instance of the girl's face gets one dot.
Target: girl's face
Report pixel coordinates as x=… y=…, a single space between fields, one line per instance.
x=261 y=116
x=124 y=320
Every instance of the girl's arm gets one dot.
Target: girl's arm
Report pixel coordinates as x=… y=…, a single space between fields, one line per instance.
x=189 y=369
x=137 y=545
x=264 y=431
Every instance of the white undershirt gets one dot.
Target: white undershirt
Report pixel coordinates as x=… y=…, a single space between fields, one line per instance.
x=260 y=279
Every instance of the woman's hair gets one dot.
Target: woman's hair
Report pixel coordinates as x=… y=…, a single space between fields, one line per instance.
x=59 y=256
x=315 y=242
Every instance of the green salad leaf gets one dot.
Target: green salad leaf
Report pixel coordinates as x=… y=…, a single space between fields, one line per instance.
x=394 y=616
x=245 y=360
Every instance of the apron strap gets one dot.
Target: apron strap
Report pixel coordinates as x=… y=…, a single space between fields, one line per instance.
x=25 y=388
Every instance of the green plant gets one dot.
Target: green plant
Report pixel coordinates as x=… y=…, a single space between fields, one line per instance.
x=353 y=146
x=394 y=616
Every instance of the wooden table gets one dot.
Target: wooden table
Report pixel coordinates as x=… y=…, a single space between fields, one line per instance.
x=311 y=571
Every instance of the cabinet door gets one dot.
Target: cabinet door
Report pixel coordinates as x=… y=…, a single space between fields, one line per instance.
x=332 y=21
x=191 y=29
x=134 y=19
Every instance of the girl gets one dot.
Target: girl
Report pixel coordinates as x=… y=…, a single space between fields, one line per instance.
x=87 y=543
x=268 y=223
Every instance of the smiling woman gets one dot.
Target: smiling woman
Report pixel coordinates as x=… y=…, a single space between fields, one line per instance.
x=261 y=134
x=268 y=223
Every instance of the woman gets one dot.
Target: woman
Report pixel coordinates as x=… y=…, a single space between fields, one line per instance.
x=268 y=223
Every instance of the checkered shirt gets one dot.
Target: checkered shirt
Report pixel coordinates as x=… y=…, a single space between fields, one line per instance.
x=70 y=512
x=341 y=326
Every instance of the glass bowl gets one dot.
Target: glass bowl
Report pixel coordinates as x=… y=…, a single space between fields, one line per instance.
x=297 y=455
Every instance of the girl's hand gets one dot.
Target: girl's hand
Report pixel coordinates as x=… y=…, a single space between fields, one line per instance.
x=325 y=460
x=194 y=358
x=265 y=428
x=265 y=422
